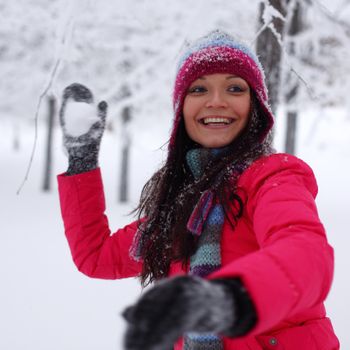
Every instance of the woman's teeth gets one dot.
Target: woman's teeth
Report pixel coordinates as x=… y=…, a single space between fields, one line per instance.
x=207 y=121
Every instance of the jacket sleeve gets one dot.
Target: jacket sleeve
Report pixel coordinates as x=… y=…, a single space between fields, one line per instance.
x=94 y=250
x=293 y=268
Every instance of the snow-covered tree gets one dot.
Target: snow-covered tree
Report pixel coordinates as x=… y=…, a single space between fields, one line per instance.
x=108 y=46
x=303 y=46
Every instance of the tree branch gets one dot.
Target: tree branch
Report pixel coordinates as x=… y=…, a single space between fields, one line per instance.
x=63 y=43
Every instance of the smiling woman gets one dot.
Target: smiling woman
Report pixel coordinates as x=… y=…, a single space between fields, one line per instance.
x=216 y=109
x=227 y=228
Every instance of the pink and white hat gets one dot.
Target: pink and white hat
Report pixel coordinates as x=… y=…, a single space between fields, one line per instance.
x=218 y=52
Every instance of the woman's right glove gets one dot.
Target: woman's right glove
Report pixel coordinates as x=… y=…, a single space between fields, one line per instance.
x=82 y=125
x=188 y=304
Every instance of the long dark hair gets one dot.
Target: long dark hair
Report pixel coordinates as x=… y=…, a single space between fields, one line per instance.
x=168 y=198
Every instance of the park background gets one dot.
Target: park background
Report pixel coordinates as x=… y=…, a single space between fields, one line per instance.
x=126 y=52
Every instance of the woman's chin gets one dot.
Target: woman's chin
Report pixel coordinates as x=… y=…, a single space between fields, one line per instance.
x=215 y=143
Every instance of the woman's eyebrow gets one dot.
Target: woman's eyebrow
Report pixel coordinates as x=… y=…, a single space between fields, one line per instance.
x=232 y=76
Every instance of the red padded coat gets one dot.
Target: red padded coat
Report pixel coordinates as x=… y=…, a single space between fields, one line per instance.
x=278 y=249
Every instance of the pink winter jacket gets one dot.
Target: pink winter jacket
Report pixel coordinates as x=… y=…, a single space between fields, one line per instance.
x=278 y=249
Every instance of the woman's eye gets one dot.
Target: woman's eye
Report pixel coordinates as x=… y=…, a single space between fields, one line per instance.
x=235 y=88
x=196 y=89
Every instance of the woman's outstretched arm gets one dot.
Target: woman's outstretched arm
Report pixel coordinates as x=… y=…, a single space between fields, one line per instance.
x=95 y=251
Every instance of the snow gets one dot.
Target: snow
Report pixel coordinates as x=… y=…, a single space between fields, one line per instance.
x=79 y=117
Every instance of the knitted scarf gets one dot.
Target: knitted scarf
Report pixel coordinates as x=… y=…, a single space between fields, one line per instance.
x=205 y=222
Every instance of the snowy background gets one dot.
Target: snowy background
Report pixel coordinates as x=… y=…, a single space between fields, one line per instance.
x=45 y=303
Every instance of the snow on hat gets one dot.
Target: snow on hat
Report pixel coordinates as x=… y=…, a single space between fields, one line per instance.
x=218 y=52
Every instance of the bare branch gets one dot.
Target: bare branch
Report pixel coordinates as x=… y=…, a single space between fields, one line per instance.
x=263 y=27
x=63 y=43
x=308 y=87
x=36 y=118
x=268 y=23
x=276 y=34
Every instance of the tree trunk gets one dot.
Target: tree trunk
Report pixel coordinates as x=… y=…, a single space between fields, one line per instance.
x=270 y=53
x=123 y=191
x=15 y=140
x=49 y=142
x=292 y=117
x=292 y=80
x=126 y=142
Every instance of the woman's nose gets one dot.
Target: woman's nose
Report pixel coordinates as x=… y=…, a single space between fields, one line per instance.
x=216 y=99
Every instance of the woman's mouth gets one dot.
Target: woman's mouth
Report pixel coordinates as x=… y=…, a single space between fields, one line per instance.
x=216 y=121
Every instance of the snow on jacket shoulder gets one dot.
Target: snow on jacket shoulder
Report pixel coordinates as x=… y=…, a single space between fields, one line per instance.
x=94 y=250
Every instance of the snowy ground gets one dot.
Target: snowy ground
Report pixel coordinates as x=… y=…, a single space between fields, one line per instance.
x=46 y=303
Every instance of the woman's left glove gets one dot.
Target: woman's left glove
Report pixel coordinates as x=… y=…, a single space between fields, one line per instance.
x=82 y=125
x=181 y=305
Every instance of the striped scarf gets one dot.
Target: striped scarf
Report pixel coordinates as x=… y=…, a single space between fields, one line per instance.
x=206 y=222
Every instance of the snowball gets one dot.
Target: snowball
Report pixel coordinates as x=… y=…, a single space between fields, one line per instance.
x=79 y=117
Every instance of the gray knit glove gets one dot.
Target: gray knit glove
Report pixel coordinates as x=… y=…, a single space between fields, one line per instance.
x=185 y=304
x=83 y=125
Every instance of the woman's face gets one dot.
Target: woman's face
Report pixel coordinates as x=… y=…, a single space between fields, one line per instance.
x=216 y=109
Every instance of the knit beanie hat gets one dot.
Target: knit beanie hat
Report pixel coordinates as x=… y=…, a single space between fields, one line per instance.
x=219 y=52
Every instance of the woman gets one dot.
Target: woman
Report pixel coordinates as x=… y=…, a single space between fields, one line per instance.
x=228 y=229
